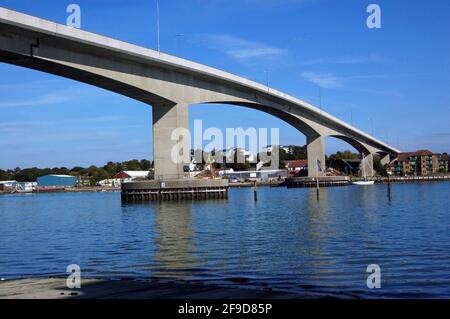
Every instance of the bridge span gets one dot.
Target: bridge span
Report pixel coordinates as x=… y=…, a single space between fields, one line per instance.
x=169 y=84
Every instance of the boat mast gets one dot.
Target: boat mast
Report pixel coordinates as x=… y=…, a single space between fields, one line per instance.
x=363 y=166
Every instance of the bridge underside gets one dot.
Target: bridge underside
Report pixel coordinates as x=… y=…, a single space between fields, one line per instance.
x=169 y=85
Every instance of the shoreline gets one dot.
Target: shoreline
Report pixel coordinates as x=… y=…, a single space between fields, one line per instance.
x=379 y=180
x=55 y=288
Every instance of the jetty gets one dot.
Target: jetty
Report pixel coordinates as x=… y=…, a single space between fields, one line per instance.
x=183 y=189
x=414 y=179
x=325 y=181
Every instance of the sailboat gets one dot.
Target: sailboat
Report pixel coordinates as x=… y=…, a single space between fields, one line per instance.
x=366 y=181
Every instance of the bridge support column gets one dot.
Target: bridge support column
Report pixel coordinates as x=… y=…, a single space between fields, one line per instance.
x=316 y=156
x=168 y=161
x=385 y=160
x=367 y=165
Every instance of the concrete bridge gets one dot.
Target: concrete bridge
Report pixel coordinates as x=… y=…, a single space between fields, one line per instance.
x=169 y=84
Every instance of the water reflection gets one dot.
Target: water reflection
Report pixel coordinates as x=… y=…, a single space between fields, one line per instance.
x=368 y=195
x=389 y=194
x=174 y=255
x=318 y=230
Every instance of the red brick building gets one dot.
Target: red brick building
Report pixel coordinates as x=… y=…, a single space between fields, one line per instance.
x=419 y=163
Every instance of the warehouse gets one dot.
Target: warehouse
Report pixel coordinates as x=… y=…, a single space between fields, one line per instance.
x=57 y=181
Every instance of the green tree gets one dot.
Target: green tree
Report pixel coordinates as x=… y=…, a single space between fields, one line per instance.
x=5 y=175
x=99 y=175
x=345 y=155
x=145 y=165
x=133 y=165
x=111 y=168
x=294 y=153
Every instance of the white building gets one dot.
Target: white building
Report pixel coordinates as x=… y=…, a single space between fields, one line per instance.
x=26 y=186
x=128 y=176
x=8 y=183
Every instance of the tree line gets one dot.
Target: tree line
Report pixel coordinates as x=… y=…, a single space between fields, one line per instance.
x=93 y=172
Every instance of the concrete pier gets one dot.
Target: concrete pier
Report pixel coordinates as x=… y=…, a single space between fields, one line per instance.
x=316 y=156
x=175 y=190
x=166 y=120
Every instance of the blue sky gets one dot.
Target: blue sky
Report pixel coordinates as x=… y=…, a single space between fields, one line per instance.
x=397 y=77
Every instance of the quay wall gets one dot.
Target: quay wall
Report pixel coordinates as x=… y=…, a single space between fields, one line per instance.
x=175 y=190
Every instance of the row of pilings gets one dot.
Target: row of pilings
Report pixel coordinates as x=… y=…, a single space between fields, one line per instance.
x=174 y=190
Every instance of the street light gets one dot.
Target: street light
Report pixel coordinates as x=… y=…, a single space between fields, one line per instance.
x=157 y=25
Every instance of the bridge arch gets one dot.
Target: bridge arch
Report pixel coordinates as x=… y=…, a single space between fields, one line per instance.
x=360 y=147
x=291 y=119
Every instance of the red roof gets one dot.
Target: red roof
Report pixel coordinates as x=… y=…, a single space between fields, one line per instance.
x=423 y=153
x=297 y=163
x=121 y=175
x=402 y=157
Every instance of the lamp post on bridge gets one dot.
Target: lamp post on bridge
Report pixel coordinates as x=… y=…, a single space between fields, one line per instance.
x=157 y=26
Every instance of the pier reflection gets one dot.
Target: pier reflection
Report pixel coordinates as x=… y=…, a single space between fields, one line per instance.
x=318 y=229
x=318 y=212
x=389 y=194
x=174 y=243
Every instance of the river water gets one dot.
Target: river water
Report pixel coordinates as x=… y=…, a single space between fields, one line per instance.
x=289 y=239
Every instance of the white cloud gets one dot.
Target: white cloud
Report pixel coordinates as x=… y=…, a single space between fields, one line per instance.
x=331 y=81
x=240 y=49
x=39 y=84
x=66 y=94
x=46 y=99
x=62 y=122
x=371 y=58
x=323 y=80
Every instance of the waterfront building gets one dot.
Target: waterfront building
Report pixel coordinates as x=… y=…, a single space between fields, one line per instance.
x=424 y=163
x=84 y=180
x=57 y=181
x=13 y=186
x=7 y=185
x=297 y=167
x=129 y=176
x=402 y=165
x=109 y=183
x=419 y=163
x=26 y=186
x=443 y=163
